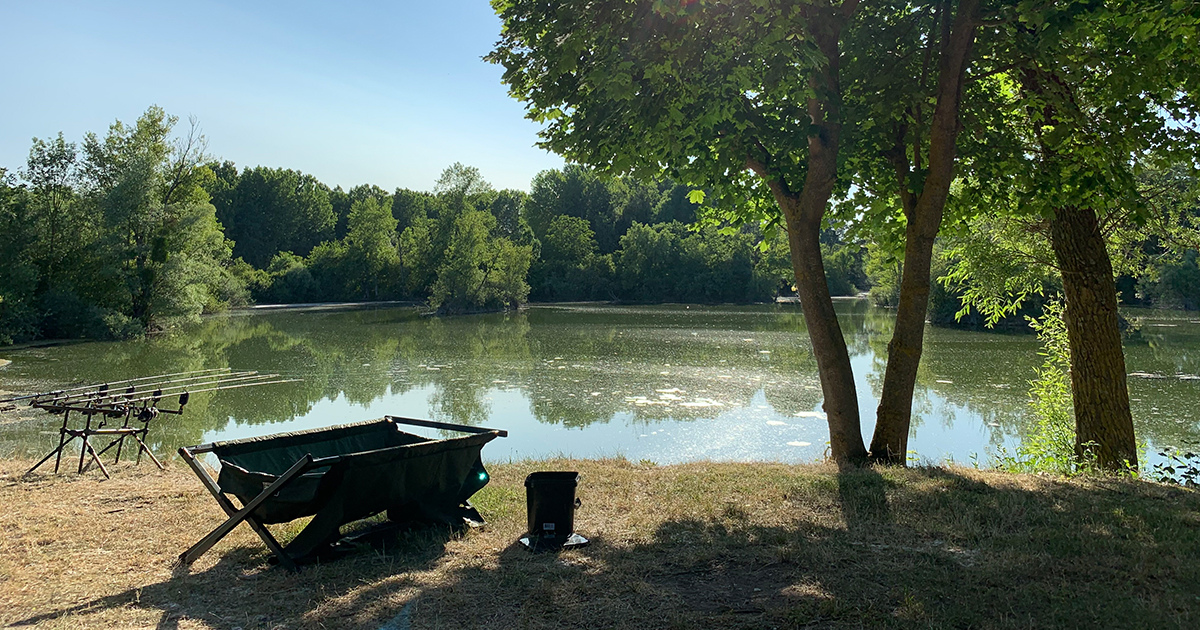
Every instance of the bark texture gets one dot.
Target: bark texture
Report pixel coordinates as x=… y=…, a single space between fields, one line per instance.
x=1099 y=392
x=889 y=443
x=1103 y=422
x=803 y=211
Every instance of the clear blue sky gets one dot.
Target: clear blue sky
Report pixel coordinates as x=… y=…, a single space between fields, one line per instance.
x=388 y=93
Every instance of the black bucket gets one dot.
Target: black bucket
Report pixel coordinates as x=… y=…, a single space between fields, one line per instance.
x=550 y=502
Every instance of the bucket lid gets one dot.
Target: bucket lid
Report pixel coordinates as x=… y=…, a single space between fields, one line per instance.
x=553 y=477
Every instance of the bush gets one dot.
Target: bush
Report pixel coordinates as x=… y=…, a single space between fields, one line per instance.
x=65 y=315
x=1049 y=444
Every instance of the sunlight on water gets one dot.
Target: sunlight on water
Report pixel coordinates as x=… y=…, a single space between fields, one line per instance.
x=660 y=383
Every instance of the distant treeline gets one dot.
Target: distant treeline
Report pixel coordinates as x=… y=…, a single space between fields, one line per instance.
x=466 y=246
x=138 y=229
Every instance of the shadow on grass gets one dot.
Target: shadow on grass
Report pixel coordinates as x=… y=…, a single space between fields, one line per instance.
x=923 y=548
x=243 y=589
x=926 y=548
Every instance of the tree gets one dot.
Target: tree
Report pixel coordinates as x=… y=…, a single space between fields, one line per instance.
x=272 y=210
x=1098 y=87
x=52 y=171
x=706 y=91
x=371 y=245
x=164 y=247
x=575 y=191
x=480 y=271
x=908 y=154
x=345 y=204
x=410 y=206
x=1092 y=93
x=460 y=188
x=508 y=207
x=18 y=274
x=559 y=272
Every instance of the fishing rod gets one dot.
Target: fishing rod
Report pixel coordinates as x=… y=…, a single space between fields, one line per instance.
x=157 y=394
x=125 y=407
x=98 y=386
x=220 y=389
x=219 y=385
x=103 y=395
x=103 y=391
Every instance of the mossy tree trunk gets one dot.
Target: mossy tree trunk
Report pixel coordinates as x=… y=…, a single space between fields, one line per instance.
x=1100 y=395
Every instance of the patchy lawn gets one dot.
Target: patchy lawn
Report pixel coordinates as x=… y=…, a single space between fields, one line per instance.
x=694 y=545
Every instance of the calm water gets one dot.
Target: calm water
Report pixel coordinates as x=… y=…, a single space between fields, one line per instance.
x=661 y=383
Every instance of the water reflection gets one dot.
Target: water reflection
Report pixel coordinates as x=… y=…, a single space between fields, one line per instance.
x=666 y=383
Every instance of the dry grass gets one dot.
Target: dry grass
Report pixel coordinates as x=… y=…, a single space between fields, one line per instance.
x=696 y=545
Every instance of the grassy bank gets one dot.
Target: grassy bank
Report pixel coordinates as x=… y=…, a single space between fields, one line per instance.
x=695 y=545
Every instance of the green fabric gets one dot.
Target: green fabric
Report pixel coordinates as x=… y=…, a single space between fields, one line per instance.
x=381 y=468
x=274 y=454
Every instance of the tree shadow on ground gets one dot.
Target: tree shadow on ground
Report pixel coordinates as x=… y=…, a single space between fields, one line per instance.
x=946 y=551
x=923 y=548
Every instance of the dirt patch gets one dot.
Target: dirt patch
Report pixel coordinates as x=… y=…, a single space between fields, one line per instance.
x=695 y=545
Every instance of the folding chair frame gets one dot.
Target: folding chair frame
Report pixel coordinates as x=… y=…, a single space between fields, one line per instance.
x=304 y=464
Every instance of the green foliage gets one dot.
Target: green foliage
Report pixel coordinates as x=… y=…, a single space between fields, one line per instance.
x=670 y=263
x=480 y=271
x=18 y=275
x=1180 y=466
x=1173 y=284
x=419 y=255
x=883 y=268
x=331 y=273
x=844 y=273
x=1164 y=248
x=163 y=250
x=564 y=269
x=289 y=281
x=647 y=88
x=266 y=211
x=508 y=207
x=371 y=252
x=998 y=264
x=574 y=191
x=1048 y=445
x=116 y=238
x=410 y=206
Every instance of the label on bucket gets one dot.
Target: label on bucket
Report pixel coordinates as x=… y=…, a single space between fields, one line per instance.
x=548 y=526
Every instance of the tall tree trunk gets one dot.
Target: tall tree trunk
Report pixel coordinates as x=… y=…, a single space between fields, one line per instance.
x=803 y=212
x=1099 y=392
x=1103 y=422
x=894 y=414
x=829 y=345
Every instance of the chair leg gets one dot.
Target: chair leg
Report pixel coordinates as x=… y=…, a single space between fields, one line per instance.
x=244 y=514
x=231 y=509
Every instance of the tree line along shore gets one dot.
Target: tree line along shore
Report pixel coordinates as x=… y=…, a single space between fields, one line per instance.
x=139 y=229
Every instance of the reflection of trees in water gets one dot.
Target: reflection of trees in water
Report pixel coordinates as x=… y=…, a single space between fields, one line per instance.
x=203 y=346
x=987 y=373
x=657 y=365
x=470 y=357
x=559 y=357
x=1164 y=409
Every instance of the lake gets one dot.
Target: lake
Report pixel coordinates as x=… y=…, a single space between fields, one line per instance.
x=664 y=383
